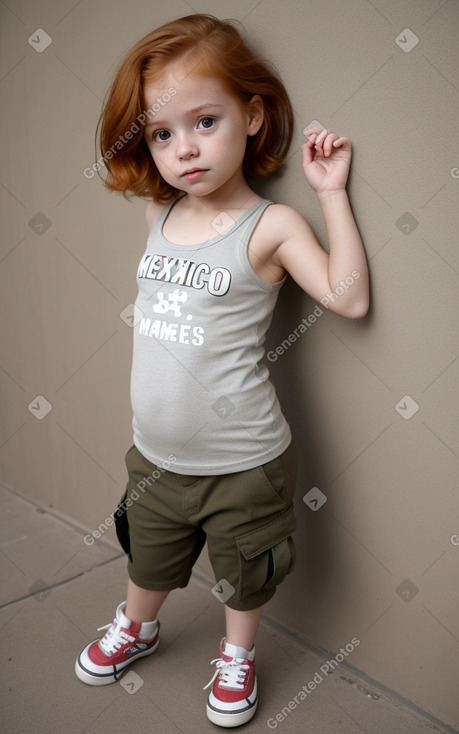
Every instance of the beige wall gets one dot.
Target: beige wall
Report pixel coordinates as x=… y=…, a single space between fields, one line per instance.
x=390 y=524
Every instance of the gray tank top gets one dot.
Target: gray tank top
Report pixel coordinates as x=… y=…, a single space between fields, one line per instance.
x=198 y=389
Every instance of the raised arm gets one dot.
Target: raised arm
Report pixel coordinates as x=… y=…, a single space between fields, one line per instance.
x=339 y=280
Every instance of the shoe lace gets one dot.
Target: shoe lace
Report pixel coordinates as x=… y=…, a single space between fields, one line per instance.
x=232 y=674
x=114 y=638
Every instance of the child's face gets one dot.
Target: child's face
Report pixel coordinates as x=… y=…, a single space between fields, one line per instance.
x=198 y=138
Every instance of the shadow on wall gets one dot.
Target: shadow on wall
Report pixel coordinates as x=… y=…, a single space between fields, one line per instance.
x=320 y=557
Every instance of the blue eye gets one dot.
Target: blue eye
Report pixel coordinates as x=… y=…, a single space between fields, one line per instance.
x=162 y=135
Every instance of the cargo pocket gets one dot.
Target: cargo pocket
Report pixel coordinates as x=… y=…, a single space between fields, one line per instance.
x=266 y=555
x=122 y=525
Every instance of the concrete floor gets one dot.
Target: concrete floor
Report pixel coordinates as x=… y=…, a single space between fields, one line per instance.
x=56 y=591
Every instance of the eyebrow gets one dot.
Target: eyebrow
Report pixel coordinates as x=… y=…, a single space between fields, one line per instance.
x=194 y=111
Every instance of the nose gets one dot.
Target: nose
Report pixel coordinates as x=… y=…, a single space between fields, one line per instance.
x=186 y=146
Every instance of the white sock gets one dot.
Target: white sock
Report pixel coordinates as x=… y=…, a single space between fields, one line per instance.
x=148 y=629
x=234 y=651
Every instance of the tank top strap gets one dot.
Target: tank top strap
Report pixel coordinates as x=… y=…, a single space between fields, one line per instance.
x=250 y=219
x=164 y=213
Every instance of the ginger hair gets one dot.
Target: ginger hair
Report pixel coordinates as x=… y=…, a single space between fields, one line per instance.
x=209 y=47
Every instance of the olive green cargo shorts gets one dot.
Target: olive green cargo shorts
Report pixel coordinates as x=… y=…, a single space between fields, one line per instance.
x=247 y=518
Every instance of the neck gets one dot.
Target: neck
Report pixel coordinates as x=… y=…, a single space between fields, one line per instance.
x=232 y=196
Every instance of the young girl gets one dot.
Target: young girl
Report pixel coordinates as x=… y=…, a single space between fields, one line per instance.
x=191 y=115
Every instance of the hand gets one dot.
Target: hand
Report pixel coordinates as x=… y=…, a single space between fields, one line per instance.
x=326 y=160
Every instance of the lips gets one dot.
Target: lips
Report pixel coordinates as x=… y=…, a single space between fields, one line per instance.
x=193 y=174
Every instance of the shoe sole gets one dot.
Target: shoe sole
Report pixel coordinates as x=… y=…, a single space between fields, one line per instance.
x=228 y=719
x=104 y=679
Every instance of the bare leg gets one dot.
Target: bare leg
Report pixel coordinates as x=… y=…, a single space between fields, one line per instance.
x=241 y=627
x=143 y=605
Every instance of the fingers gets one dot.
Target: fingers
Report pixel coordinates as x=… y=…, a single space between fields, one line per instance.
x=325 y=141
x=312 y=131
x=342 y=143
x=306 y=150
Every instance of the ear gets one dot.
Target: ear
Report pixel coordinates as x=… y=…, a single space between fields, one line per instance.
x=256 y=114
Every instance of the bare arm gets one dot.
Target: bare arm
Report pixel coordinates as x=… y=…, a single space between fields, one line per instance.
x=338 y=279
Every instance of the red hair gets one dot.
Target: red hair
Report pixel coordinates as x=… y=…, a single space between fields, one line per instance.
x=211 y=48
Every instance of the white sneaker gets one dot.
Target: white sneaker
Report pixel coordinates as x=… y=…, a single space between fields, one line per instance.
x=103 y=661
x=233 y=699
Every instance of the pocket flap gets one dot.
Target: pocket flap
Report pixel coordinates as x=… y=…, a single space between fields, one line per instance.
x=257 y=541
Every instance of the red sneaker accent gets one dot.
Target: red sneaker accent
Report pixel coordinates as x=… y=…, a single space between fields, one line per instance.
x=233 y=699
x=103 y=661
